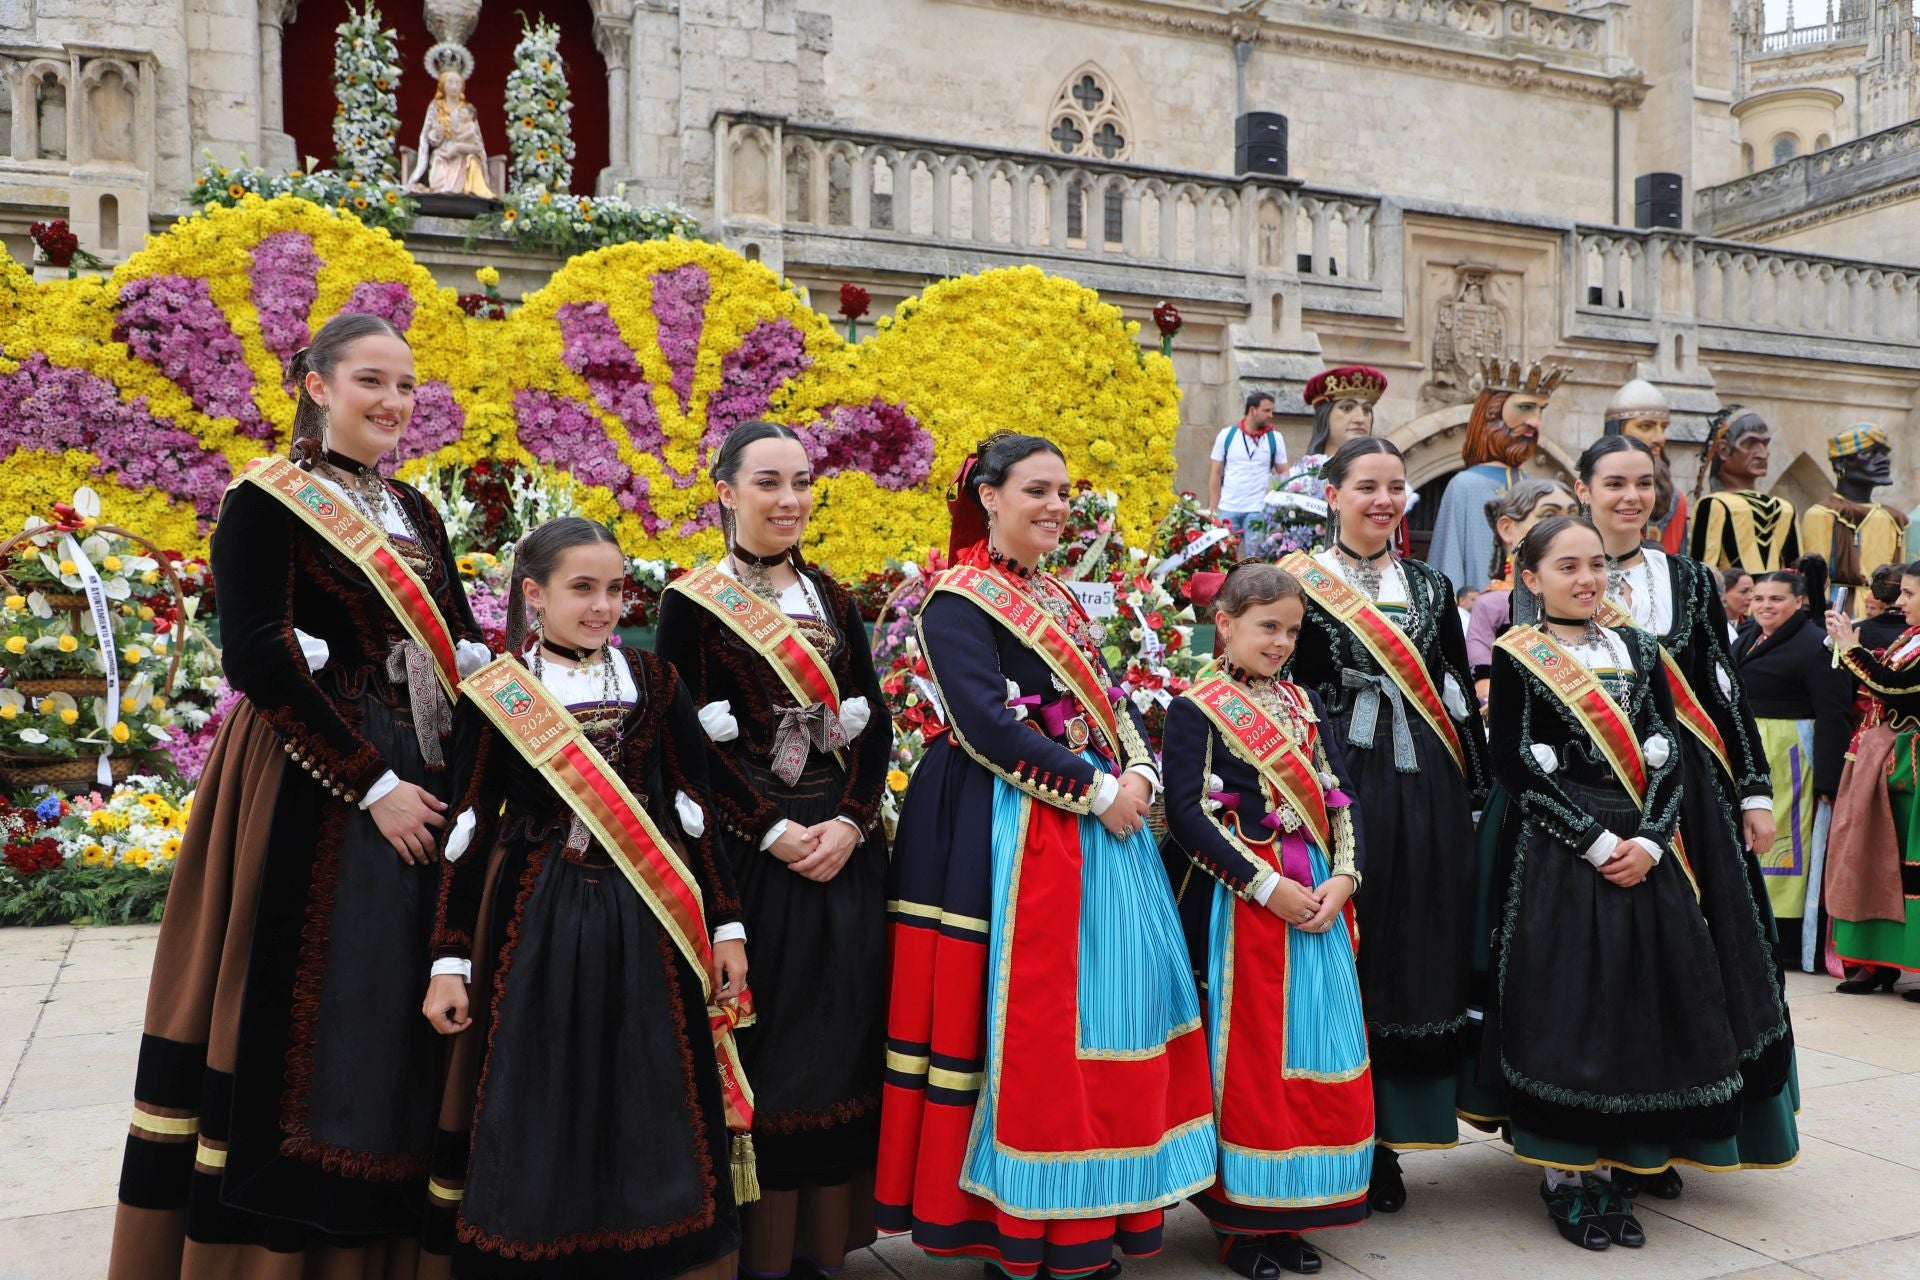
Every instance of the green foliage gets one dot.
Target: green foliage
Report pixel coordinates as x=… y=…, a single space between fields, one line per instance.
x=76 y=894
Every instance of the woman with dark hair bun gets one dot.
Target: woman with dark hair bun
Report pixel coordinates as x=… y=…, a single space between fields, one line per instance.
x=594 y=1081
x=285 y=1098
x=775 y=654
x=1046 y=1091
x=1726 y=804
x=1605 y=1029
x=1382 y=648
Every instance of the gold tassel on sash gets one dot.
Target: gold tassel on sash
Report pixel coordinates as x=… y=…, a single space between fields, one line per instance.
x=746 y=1175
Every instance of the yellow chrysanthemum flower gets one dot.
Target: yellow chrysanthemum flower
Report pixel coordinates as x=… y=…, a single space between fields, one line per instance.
x=896 y=780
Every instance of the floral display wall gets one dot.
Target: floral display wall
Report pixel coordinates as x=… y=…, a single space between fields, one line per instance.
x=620 y=377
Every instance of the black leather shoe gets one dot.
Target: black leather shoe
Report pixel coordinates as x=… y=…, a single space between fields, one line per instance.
x=1630 y=1185
x=1614 y=1212
x=1665 y=1185
x=1248 y=1256
x=1868 y=979
x=1294 y=1254
x=1387 y=1193
x=1572 y=1215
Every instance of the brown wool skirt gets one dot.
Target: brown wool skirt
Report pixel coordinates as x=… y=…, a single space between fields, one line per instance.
x=194 y=1005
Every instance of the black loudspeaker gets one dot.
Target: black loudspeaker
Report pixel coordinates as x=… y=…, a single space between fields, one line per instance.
x=1657 y=200
x=1260 y=144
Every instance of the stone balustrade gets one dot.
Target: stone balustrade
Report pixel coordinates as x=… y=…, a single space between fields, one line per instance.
x=1849 y=171
x=1794 y=39
x=834 y=198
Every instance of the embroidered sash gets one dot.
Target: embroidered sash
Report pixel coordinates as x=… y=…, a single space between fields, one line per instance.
x=364 y=543
x=1569 y=680
x=1386 y=642
x=1687 y=707
x=546 y=735
x=1042 y=633
x=767 y=631
x=1256 y=739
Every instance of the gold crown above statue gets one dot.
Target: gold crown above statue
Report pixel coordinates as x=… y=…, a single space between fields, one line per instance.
x=1514 y=378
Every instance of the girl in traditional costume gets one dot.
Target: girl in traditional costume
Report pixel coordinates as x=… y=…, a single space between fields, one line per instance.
x=286 y=1092
x=775 y=655
x=1874 y=885
x=1524 y=504
x=1257 y=806
x=1383 y=650
x=1726 y=803
x=1803 y=711
x=1046 y=1089
x=592 y=1084
x=1607 y=1028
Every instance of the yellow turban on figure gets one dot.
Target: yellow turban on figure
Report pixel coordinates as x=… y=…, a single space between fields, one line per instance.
x=1858 y=438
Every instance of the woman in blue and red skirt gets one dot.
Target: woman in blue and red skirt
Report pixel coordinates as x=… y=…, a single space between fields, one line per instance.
x=1046 y=1094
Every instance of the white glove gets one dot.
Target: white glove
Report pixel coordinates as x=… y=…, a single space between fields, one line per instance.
x=692 y=820
x=855 y=713
x=1544 y=755
x=462 y=836
x=1657 y=750
x=469 y=656
x=315 y=650
x=717 y=719
x=1454 y=699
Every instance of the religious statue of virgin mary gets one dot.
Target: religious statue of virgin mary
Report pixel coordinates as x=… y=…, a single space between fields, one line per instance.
x=452 y=152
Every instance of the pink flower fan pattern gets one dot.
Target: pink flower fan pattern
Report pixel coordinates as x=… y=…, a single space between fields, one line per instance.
x=391 y=302
x=50 y=408
x=881 y=439
x=286 y=280
x=771 y=355
x=679 y=312
x=172 y=323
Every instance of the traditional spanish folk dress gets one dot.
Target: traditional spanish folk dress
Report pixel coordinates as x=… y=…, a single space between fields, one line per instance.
x=1046 y=1091
x=1256 y=792
x=1383 y=651
x=1803 y=711
x=786 y=684
x=1607 y=1026
x=1884 y=928
x=586 y=1111
x=1724 y=771
x=287 y=1085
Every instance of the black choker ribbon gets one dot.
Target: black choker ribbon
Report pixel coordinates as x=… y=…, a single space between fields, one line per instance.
x=745 y=556
x=1234 y=671
x=566 y=651
x=1351 y=554
x=352 y=466
x=1566 y=622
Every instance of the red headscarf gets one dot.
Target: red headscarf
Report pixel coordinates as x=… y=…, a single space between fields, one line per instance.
x=967 y=540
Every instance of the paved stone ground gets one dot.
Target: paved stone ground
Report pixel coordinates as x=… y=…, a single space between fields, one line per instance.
x=71 y=1002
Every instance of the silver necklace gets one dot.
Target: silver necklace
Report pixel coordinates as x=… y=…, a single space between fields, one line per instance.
x=1367 y=572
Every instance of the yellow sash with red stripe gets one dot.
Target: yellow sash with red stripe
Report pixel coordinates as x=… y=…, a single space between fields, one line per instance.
x=1253 y=736
x=546 y=735
x=1042 y=633
x=364 y=543
x=1569 y=680
x=1687 y=707
x=1387 y=643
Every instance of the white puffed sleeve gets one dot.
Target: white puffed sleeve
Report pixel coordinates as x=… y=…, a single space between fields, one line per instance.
x=693 y=820
x=1657 y=750
x=855 y=713
x=315 y=650
x=469 y=656
x=1545 y=757
x=717 y=719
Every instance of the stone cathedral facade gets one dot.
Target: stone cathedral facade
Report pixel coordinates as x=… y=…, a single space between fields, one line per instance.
x=1458 y=174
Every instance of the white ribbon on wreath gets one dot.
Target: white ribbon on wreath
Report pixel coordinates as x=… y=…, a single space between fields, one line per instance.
x=1205 y=542
x=96 y=593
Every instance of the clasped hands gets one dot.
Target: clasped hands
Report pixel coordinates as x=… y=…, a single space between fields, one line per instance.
x=1310 y=910
x=1128 y=812
x=816 y=852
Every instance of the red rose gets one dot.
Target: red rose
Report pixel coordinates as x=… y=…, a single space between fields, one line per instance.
x=854 y=301
x=1167 y=317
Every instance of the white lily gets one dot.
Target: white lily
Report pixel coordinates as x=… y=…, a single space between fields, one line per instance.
x=158 y=734
x=33 y=737
x=95 y=548
x=86 y=502
x=37 y=605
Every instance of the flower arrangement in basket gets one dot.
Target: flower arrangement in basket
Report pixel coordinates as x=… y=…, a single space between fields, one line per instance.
x=58 y=579
x=1191 y=541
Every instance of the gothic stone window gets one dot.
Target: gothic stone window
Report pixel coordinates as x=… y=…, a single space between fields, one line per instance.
x=1089 y=120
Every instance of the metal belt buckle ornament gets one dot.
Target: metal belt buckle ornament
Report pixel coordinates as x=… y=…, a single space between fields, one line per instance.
x=1077 y=732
